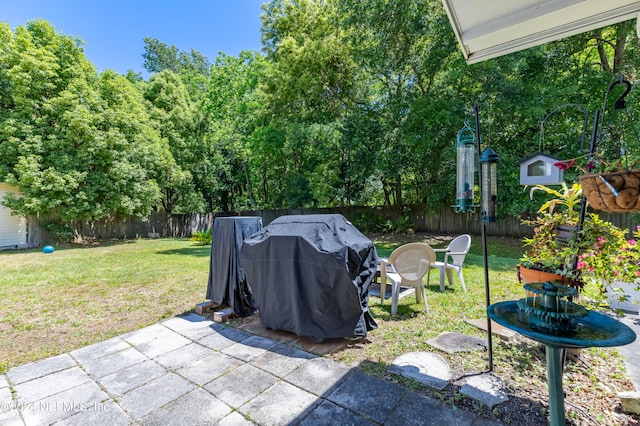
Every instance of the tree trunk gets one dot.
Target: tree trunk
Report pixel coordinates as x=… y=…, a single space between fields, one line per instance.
x=398 y=191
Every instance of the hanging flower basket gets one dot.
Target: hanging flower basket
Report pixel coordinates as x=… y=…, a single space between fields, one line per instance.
x=617 y=192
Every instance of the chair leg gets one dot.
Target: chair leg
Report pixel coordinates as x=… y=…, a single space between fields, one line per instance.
x=424 y=297
x=461 y=278
x=450 y=276
x=383 y=290
x=395 y=295
x=442 y=273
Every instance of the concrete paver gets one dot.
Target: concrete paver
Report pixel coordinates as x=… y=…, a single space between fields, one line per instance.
x=156 y=340
x=37 y=369
x=85 y=397
x=367 y=395
x=182 y=356
x=197 y=407
x=281 y=404
x=224 y=338
x=116 y=361
x=486 y=388
x=51 y=384
x=319 y=376
x=100 y=350
x=189 y=370
x=131 y=376
x=249 y=348
x=241 y=385
x=108 y=414
x=145 y=399
x=327 y=411
x=281 y=359
x=209 y=368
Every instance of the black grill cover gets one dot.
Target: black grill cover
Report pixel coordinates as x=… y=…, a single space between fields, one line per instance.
x=227 y=283
x=310 y=275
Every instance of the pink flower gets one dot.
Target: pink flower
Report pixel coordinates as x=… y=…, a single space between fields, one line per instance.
x=563 y=165
x=632 y=242
x=616 y=273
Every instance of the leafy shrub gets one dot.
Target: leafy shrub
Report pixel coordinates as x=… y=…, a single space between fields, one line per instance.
x=403 y=224
x=61 y=232
x=202 y=238
x=368 y=222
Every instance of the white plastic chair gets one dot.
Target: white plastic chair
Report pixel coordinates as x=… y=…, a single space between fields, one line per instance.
x=406 y=267
x=454 y=256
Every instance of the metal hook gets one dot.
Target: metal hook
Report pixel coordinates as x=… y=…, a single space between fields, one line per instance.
x=621 y=103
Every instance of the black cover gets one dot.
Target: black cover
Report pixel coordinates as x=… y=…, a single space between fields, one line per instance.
x=310 y=275
x=227 y=283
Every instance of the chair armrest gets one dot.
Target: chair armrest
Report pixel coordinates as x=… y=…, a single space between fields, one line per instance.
x=440 y=250
x=385 y=267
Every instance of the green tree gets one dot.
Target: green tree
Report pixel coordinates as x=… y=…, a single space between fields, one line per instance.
x=175 y=116
x=70 y=140
x=159 y=57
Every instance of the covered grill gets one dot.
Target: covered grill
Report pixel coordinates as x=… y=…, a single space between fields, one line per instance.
x=227 y=283
x=310 y=275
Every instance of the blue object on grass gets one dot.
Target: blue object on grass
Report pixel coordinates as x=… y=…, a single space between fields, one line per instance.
x=48 y=249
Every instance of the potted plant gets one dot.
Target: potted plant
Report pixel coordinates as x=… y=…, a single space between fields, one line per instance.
x=548 y=254
x=610 y=185
x=548 y=257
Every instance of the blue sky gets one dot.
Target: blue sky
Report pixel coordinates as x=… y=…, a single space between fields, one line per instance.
x=113 y=31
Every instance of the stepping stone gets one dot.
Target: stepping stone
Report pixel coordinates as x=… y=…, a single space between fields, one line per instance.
x=425 y=367
x=456 y=342
x=485 y=388
x=496 y=329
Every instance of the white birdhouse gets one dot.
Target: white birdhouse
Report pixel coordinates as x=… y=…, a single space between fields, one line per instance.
x=539 y=169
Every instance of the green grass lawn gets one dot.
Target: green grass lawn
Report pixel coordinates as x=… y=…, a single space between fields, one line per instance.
x=54 y=303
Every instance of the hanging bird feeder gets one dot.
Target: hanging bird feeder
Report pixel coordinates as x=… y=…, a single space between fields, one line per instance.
x=489 y=196
x=465 y=171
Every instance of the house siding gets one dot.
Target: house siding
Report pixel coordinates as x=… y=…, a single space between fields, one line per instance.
x=13 y=229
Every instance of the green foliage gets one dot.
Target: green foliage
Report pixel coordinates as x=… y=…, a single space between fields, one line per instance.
x=75 y=143
x=159 y=57
x=202 y=238
x=569 y=199
x=61 y=232
x=584 y=257
x=610 y=257
x=354 y=102
x=370 y=222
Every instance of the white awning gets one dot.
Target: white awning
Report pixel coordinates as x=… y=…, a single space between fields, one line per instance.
x=486 y=29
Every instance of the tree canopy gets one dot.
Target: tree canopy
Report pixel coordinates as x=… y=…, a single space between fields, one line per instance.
x=350 y=102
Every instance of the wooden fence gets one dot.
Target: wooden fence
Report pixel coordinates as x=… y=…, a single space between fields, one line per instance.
x=162 y=225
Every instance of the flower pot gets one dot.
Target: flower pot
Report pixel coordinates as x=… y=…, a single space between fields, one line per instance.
x=528 y=275
x=632 y=301
x=617 y=192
